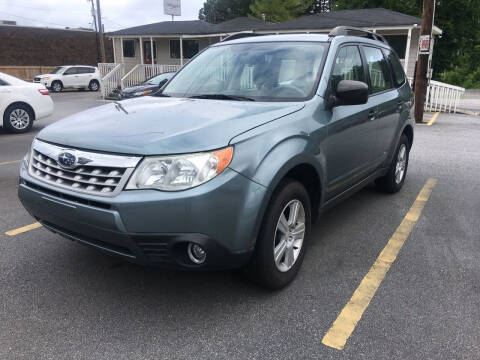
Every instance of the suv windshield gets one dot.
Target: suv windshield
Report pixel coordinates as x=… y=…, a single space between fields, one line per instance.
x=270 y=71
x=56 y=70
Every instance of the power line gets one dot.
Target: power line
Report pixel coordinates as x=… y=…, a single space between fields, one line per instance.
x=33 y=20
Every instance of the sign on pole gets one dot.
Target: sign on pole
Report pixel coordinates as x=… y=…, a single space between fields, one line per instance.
x=172 y=7
x=424 y=44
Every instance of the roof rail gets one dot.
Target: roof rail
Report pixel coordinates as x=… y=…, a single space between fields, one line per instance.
x=353 y=31
x=240 y=36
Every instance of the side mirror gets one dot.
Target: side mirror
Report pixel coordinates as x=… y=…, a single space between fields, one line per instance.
x=350 y=92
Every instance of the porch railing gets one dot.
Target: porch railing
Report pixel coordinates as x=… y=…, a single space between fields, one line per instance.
x=112 y=80
x=443 y=97
x=142 y=72
x=105 y=68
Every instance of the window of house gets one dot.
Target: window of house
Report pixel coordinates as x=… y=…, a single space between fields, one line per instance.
x=398 y=43
x=190 y=49
x=397 y=68
x=129 y=48
x=377 y=69
x=348 y=66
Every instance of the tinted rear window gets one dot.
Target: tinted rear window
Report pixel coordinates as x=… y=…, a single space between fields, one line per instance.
x=398 y=73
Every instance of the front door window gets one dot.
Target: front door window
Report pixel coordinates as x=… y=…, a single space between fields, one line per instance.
x=147 y=52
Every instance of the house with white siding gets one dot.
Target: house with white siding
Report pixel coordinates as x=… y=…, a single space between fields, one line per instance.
x=174 y=42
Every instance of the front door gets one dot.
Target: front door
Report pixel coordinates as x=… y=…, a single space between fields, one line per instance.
x=71 y=77
x=147 y=52
x=351 y=129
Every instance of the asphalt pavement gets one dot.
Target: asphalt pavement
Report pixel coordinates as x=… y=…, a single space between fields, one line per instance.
x=62 y=300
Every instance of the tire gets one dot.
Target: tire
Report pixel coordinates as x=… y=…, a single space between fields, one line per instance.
x=263 y=269
x=94 y=85
x=56 y=86
x=393 y=181
x=18 y=118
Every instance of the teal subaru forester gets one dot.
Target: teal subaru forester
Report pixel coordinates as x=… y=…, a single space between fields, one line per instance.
x=228 y=165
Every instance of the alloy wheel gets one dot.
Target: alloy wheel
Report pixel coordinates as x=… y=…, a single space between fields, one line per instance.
x=19 y=119
x=401 y=165
x=289 y=235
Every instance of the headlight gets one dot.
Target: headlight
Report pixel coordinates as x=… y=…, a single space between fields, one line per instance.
x=179 y=172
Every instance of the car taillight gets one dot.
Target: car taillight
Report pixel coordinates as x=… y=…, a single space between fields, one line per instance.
x=44 y=91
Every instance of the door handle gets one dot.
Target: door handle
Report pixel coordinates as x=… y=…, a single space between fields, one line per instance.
x=372 y=115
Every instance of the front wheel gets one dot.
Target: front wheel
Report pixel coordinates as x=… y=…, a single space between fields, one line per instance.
x=393 y=181
x=56 y=86
x=282 y=241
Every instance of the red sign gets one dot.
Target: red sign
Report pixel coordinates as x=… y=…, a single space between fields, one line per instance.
x=424 y=44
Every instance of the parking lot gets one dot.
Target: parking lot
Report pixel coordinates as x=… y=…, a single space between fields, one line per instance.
x=63 y=300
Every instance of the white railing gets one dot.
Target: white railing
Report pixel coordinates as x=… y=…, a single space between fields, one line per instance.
x=112 y=80
x=443 y=97
x=105 y=68
x=140 y=73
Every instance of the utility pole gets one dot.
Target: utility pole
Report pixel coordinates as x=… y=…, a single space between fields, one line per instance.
x=100 y=30
x=422 y=63
x=96 y=29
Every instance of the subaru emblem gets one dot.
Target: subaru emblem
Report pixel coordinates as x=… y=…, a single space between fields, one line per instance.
x=67 y=160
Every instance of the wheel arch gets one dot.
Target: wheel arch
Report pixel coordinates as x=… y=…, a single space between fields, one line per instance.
x=21 y=103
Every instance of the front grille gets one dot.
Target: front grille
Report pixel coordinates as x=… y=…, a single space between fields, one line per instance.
x=36 y=79
x=101 y=174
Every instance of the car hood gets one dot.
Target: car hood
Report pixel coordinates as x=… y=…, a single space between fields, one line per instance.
x=155 y=125
x=46 y=75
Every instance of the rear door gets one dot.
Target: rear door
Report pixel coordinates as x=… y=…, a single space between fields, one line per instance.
x=70 y=77
x=86 y=74
x=384 y=96
x=351 y=129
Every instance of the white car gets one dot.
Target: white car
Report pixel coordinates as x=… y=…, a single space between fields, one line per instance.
x=22 y=102
x=74 y=76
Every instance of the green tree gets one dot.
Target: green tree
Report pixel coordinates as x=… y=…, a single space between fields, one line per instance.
x=456 y=53
x=279 y=10
x=216 y=11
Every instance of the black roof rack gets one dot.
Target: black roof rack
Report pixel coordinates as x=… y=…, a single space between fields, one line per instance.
x=353 y=31
x=241 y=35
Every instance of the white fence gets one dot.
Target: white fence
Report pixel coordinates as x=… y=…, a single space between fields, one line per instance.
x=442 y=97
x=105 y=68
x=112 y=80
x=141 y=72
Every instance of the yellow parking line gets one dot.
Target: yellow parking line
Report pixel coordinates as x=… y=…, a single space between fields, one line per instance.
x=432 y=120
x=343 y=326
x=23 y=229
x=10 y=162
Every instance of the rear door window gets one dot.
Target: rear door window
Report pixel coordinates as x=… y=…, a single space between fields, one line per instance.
x=71 y=71
x=348 y=66
x=378 y=70
x=397 y=68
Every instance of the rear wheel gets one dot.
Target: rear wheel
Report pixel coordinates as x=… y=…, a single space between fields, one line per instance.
x=393 y=181
x=57 y=86
x=94 y=85
x=18 y=118
x=281 y=244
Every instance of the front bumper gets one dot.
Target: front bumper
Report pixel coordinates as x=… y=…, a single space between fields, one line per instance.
x=154 y=228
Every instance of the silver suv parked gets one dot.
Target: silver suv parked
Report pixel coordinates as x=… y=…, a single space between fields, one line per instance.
x=231 y=163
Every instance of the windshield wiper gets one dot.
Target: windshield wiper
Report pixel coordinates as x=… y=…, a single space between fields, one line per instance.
x=222 y=97
x=160 y=93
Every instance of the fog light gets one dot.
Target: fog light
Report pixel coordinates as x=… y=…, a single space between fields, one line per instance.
x=196 y=253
